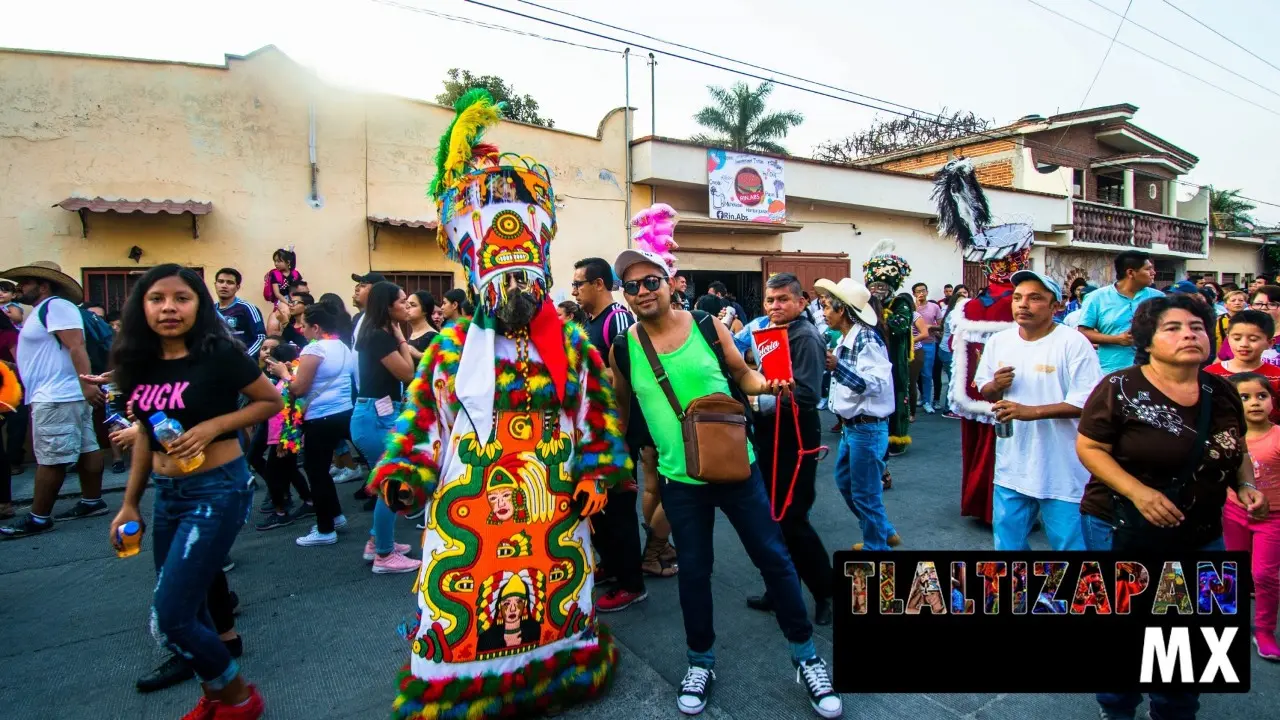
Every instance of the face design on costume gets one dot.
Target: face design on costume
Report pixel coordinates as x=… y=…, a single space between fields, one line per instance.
x=512 y=611
x=501 y=221
x=501 y=505
x=1003 y=269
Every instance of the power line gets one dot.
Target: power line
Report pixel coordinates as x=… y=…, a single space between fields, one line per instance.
x=1215 y=32
x=1150 y=57
x=1186 y=49
x=921 y=115
x=714 y=55
x=1105 y=55
x=490 y=26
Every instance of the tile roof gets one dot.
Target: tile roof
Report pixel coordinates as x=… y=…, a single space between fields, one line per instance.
x=402 y=222
x=145 y=205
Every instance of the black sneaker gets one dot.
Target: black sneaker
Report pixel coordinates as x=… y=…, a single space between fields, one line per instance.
x=694 y=690
x=268 y=507
x=25 y=527
x=171 y=672
x=228 y=565
x=813 y=674
x=305 y=510
x=84 y=509
x=118 y=467
x=275 y=520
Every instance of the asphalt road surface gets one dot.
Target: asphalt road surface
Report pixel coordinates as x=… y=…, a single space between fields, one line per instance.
x=320 y=629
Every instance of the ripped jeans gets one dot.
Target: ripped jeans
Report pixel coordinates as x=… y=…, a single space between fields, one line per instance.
x=195 y=522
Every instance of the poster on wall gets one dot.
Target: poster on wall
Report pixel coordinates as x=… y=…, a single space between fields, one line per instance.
x=746 y=187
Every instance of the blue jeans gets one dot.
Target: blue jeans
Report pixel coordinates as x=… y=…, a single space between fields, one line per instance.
x=928 y=351
x=944 y=366
x=1014 y=514
x=1098 y=535
x=194 y=524
x=859 y=478
x=369 y=433
x=691 y=510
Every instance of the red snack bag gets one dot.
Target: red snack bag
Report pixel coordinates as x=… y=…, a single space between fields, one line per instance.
x=773 y=353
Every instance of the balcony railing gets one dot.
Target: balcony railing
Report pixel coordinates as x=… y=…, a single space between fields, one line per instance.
x=1122 y=227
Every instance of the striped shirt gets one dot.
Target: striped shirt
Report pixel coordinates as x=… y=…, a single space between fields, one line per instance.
x=246 y=324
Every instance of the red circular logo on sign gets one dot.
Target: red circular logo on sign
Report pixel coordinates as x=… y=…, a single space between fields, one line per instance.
x=749 y=186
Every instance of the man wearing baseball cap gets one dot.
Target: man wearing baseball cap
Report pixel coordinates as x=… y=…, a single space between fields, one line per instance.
x=700 y=359
x=1038 y=376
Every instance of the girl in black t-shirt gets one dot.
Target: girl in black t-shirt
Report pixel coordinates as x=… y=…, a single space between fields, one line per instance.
x=386 y=363
x=175 y=357
x=421 y=306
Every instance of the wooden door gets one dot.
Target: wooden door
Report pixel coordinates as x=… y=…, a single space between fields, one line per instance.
x=807 y=270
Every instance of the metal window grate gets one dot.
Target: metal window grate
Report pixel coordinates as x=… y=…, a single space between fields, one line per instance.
x=111 y=286
x=436 y=283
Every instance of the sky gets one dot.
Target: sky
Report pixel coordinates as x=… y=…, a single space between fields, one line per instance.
x=1002 y=59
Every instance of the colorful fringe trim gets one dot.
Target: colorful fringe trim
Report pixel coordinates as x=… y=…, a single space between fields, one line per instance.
x=566 y=678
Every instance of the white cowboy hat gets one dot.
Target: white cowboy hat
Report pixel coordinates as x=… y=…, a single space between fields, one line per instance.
x=853 y=294
x=51 y=273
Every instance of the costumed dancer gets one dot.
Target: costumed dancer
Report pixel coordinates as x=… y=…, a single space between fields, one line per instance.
x=509 y=440
x=886 y=268
x=1003 y=250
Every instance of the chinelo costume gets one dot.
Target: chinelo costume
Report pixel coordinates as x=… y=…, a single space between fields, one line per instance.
x=885 y=266
x=509 y=426
x=1003 y=250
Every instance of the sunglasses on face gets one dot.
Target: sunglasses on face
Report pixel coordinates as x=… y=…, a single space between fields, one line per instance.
x=650 y=282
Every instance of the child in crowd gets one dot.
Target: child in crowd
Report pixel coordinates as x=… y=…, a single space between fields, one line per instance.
x=281 y=469
x=283 y=278
x=1249 y=333
x=1259 y=533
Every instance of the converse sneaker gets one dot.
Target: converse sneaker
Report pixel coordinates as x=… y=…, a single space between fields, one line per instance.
x=812 y=673
x=250 y=709
x=371 y=552
x=315 y=537
x=1265 y=641
x=395 y=563
x=84 y=509
x=204 y=709
x=694 y=690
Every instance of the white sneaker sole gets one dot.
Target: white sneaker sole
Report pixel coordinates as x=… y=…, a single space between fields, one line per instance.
x=1272 y=658
x=691 y=710
x=388 y=571
x=827 y=713
x=310 y=542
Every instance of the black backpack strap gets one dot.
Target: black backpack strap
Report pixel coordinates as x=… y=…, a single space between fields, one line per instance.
x=622 y=353
x=707 y=326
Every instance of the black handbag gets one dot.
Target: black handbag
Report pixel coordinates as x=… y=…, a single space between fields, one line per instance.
x=1132 y=531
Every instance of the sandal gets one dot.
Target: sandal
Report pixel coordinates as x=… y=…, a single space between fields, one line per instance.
x=653 y=564
x=886 y=480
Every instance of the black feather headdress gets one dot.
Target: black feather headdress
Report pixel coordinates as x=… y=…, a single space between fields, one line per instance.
x=962 y=207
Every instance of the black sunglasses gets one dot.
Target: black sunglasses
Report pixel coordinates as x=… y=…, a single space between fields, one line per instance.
x=650 y=282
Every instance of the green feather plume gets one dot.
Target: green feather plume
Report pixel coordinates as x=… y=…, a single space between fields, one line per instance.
x=476 y=112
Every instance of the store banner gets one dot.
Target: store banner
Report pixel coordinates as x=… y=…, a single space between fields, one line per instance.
x=746 y=187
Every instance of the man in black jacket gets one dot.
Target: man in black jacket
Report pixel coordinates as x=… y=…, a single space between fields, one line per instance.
x=784 y=302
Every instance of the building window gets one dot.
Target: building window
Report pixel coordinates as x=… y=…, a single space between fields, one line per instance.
x=1229 y=278
x=436 y=283
x=110 y=286
x=1165 y=276
x=1110 y=190
x=1077 y=183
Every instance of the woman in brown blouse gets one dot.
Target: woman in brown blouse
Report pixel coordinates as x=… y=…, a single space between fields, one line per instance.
x=1151 y=487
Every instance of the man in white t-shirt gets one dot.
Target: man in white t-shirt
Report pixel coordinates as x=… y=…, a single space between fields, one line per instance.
x=51 y=359
x=1038 y=375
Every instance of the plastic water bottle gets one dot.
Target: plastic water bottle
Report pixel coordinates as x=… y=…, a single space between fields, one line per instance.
x=130 y=537
x=116 y=422
x=168 y=431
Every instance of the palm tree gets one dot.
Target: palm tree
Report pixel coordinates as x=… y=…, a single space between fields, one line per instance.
x=738 y=118
x=1230 y=212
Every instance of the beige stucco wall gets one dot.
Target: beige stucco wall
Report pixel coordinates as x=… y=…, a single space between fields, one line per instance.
x=238 y=137
x=1231 y=257
x=826 y=229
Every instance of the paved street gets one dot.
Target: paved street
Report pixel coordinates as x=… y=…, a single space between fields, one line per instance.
x=320 y=637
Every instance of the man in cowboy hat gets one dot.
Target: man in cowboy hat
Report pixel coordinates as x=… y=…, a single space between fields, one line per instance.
x=862 y=394
x=52 y=358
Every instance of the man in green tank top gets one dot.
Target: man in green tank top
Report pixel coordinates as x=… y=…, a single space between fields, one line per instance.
x=694 y=371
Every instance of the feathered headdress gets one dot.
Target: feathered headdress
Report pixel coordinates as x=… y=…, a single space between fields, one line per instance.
x=962 y=206
x=655 y=229
x=885 y=266
x=460 y=145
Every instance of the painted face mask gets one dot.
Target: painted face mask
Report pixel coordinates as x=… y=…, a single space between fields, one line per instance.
x=497 y=216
